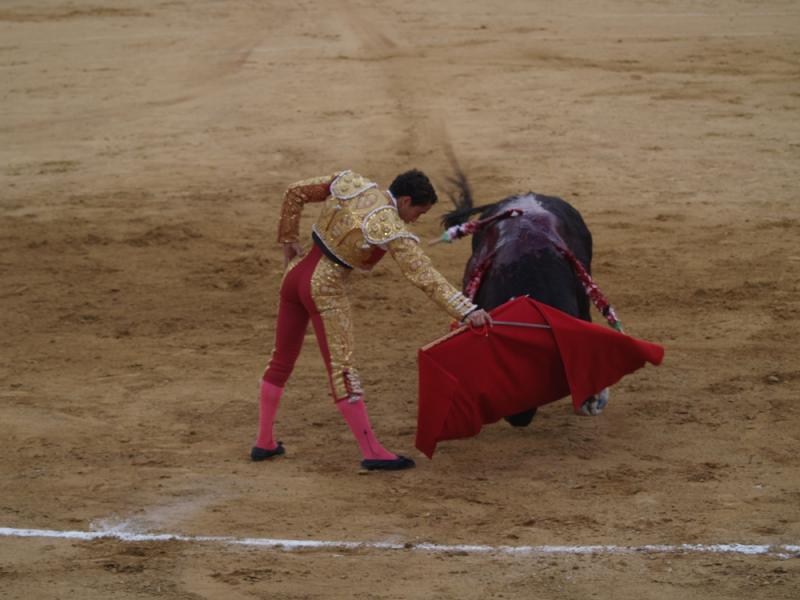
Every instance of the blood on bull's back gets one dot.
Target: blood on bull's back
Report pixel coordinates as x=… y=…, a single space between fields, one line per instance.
x=520 y=256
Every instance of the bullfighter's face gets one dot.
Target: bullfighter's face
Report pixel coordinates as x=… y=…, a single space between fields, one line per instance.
x=408 y=212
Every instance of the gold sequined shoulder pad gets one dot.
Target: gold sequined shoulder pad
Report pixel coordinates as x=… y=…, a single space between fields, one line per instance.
x=383 y=225
x=313 y=181
x=348 y=185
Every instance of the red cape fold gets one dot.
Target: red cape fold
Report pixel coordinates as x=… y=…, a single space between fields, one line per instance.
x=470 y=378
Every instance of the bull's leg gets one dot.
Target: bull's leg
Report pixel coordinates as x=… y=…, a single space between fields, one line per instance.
x=594 y=405
x=522 y=419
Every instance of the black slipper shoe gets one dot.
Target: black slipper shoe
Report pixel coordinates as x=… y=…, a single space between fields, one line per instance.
x=258 y=454
x=401 y=462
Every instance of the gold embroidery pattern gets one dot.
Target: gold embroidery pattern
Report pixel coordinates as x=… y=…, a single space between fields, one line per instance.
x=383 y=225
x=417 y=268
x=329 y=291
x=272 y=354
x=340 y=226
x=353 y=384
x=296 y=196
x=367 y=201
x=349 y=185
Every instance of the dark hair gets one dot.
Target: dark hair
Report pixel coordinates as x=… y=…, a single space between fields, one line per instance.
x=414 y=183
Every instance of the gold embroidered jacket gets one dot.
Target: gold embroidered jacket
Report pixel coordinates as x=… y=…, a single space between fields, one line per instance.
x=358 y=224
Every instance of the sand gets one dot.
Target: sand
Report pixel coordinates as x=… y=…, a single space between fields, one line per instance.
x=145 y=149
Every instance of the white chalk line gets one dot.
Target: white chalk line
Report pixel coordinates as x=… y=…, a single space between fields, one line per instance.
x=690 y=15
x=301 y=47
x=122 y=534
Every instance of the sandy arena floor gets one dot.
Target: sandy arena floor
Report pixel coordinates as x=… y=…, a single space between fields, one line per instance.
x=145 y=148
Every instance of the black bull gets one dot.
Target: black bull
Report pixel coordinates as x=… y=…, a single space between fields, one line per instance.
x=520 y=258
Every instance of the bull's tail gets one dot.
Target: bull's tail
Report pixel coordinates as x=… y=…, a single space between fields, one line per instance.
x=461 y=196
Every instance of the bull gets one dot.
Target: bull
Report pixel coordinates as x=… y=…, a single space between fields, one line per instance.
x=532 y=254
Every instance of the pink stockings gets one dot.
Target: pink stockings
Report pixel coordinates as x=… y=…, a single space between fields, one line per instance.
x=354 y=413
x=267 y=407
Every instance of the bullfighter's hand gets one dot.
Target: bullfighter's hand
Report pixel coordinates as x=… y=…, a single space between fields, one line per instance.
x=479 y=318
x=290 y=250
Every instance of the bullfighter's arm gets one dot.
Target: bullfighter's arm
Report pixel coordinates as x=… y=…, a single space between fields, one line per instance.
x=296 y=196
x=384 y=227
x=418 y=269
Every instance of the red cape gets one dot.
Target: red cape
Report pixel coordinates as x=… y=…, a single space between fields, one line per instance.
x=474 y=377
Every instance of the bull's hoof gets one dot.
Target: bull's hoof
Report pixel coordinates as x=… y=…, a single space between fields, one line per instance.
x=522 y=419
x=594 y=405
